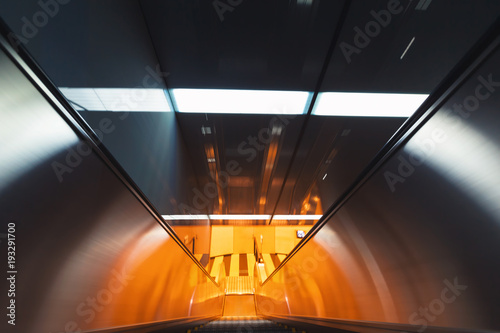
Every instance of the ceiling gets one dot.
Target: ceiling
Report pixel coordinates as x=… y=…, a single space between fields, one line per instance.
x=248 y=164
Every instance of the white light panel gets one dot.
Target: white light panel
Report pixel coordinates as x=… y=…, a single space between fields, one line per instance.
x=241 y=217
x=117 y=99
x=367 y=104
x=240 y=101
x=297 y=217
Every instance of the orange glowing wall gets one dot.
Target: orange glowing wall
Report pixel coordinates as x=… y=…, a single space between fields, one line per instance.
x=200 y=233
x=239 y=239
x=150 y=279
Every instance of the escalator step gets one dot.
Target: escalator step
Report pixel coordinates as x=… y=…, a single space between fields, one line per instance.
x=243 y=326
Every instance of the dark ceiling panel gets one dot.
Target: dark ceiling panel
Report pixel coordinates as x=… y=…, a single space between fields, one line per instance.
x=376 y=34
x=259 y=44
x=86 y=43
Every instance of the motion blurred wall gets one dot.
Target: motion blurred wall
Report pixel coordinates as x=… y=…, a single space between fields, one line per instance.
x=89 y=255
x=417 y=244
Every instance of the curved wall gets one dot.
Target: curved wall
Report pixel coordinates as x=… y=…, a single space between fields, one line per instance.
x=417 y=244
x=88 y=254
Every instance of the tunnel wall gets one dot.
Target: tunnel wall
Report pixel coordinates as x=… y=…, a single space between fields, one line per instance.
x=88 y=254
x=417 y=244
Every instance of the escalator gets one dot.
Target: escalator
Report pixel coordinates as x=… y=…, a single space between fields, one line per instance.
x=240 y=316
x=369 y=265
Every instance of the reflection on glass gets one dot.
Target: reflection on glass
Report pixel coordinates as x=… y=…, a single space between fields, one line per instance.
x=117 y=99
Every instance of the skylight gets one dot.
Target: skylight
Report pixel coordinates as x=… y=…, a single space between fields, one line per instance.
x=240 y=101
x=117 y=99
x=367 y=104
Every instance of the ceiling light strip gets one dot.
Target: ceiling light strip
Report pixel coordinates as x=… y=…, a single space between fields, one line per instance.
x=296 y=217
x=185 y=217
x=353 y=104
x=231 y=101
x=241 y=217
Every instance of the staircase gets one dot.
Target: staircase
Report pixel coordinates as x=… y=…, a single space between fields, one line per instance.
x=238 y=285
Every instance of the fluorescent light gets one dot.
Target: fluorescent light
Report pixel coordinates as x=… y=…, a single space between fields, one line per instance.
x=240 y=101
x=297 y=217
x=367 y=104
x=185 y=217
x=241 y=217
x=117 y=99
